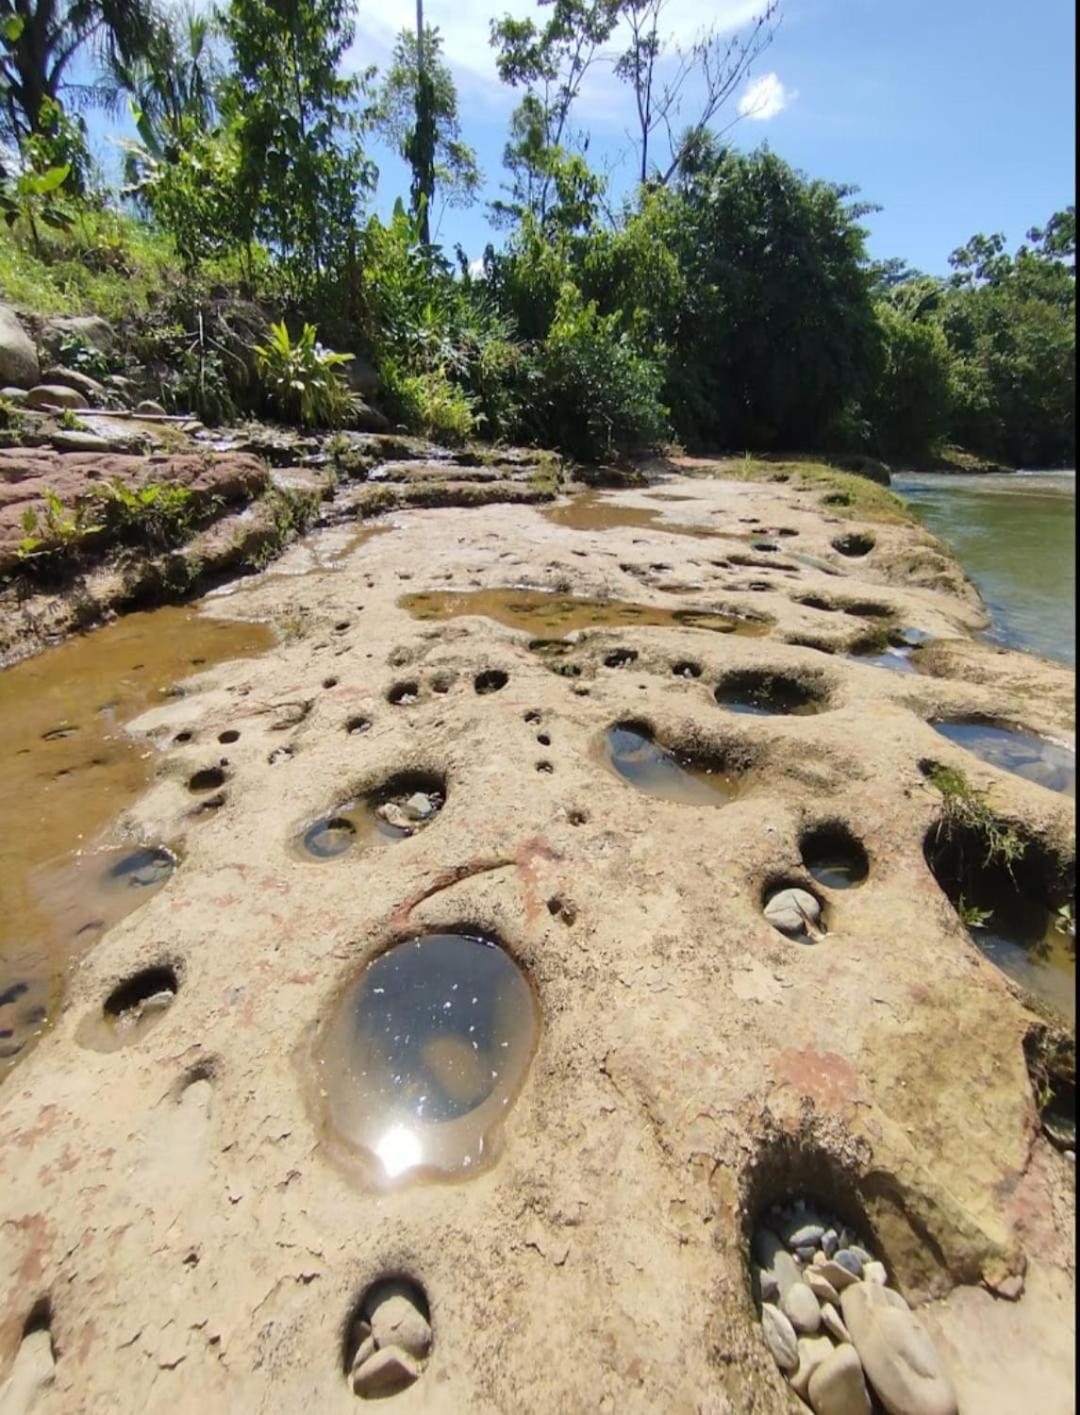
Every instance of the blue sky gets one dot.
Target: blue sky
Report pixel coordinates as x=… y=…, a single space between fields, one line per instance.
x=955 y=116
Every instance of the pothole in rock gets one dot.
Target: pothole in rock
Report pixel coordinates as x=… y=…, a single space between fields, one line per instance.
x=845 y=1340
x=1013 y=894
x=833 y=855
x=632 y=752
x=424 y=1054
x=209 y=778
x=131 y=1009
x=765 y=692
x=404 y=694
x=686 y=668
x=490 y=681
x=855 y=543
x=620 y=658
x=794 y=911
x=553 y=615
x=1051 y=1061
x=403 y=805
x=388 y=1340
x=1023 y=753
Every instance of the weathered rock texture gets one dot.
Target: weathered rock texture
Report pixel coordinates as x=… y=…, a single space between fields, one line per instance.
x=174 y=1199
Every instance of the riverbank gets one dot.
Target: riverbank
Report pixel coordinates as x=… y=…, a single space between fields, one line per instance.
x=186 y=1219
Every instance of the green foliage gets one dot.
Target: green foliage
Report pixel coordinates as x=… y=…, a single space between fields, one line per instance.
x=430 y=404
x=79 y=354
x=301 y=171
x=70 y=422
x=424 y=125
x=600 y=396
x=158 y=514
x=972 y=917
x=964 y=809
x=10 y=417
x=55 y=531
x=910 y=407
x=301 y=379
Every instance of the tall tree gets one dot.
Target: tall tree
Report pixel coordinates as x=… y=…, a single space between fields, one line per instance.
x=173 y=82
x=301 y=168
x=418 y=112
x=39 y=39
x=550 y=61
x=662 y=74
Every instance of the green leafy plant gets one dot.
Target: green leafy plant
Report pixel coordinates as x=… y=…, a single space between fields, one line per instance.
x=301 y=378
x=965 y=809
x=30 y=196
x=54 y=531
x=972 y=917
x=10 y=417
x=70 y=422
x=158 y=514
x=76 y=352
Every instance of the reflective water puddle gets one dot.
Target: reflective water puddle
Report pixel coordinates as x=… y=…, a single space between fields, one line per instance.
x=632 y=752
x=766 y=694
x=553 y=614
x=401 y=808
x=68 y=770
x=1023 y=753
x=423 y=1056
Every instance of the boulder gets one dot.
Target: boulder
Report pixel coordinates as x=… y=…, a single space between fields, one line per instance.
x=362 y=376
x=89 y=329
x=18 y=357
x=900 y=1360
x=837 y=1386
x=55 y=395
x=150 y=409
x=15 y=396
x=89 y=387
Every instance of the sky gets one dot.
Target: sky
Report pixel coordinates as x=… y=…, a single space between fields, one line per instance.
x=953 y=116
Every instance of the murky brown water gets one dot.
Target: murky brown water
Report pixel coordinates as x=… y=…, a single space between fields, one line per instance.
x=548 y=614
x=595 y=511
x=67 y=771
x=425 y=1053
x=637 y=757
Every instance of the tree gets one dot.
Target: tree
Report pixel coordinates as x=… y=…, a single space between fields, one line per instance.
x=301 y=170
x=39 y=39
x=418 y=112
x=173 y=81
x=712 y=67
x=550 y=61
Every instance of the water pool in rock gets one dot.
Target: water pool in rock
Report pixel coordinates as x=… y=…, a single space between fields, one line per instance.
x=401 y=807
x=1034 y=758
x=69 y=769
x=631 y=751
x=424 y=1054
x=546 y=611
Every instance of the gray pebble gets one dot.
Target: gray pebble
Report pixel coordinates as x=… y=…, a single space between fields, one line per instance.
x=830 y=1241
x=779 y=1337
x=849 y=1260
x=863 y=1256
x=805 y=1255
x=809 y=1235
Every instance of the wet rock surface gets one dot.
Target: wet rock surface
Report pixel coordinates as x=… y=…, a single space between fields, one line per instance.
x=179 y=1198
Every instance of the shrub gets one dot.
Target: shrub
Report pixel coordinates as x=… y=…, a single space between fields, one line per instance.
x=601 y=397
x=301 y=379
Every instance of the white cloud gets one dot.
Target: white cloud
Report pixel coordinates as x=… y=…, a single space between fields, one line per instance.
x=476 y=268
x=765 y=98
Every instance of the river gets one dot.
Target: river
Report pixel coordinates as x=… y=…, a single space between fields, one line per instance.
x=1014 y=535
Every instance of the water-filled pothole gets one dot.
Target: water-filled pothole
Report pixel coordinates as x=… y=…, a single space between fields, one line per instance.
x=490 y=681
x=1034 y=758
x=208 y=778
x=631 y=750
x=555 y=614
x=425 y=1052
x=834 y=856
x=765 y=692
x=403 y=805
x=1015 y=898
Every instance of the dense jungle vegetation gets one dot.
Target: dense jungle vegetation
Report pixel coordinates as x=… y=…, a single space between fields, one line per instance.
x=728 y=302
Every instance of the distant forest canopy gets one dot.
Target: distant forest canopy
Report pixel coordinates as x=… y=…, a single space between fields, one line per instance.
x=727 y=302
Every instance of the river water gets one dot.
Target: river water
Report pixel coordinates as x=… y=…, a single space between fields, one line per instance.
x=1014 y=535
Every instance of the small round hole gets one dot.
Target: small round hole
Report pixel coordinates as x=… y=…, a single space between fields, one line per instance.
x=229 y=736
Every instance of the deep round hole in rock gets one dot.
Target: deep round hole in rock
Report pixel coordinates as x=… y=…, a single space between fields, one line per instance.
x=1014 y=894
x=490 y=681
x=404 y=694
x=834 y=856
x=768 y=692
x=854 y=544
x=423 y=1055
x=388 y=1337
x=795 y=910
x=209 y=778
x=134 y=1005
x=632 y=751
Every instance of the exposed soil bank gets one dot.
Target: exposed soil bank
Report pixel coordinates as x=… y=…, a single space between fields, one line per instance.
x=176 y=1224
